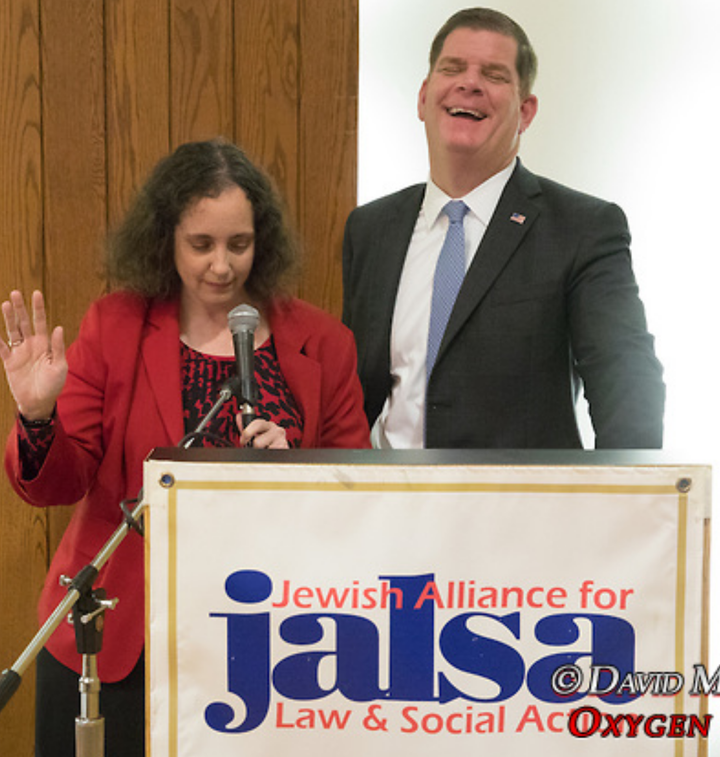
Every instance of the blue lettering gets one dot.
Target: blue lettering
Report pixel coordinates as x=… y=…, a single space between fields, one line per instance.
x=613 y=644
x=472 y=653
x=356 y=658
x=248 y=655
x=412 y=641
x=412 y=675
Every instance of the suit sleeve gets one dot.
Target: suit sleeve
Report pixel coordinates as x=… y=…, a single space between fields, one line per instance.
x=366 y=295
x=347 y=263
x=612 y=349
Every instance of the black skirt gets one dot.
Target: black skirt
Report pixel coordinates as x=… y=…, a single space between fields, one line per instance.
x=57 y=704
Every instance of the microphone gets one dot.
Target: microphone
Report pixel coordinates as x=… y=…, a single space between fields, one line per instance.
x=243 y=321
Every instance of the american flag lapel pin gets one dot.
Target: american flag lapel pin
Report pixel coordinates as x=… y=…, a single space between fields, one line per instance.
x=517 y=218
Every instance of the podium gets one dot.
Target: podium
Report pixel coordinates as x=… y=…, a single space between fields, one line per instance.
x=461 y=602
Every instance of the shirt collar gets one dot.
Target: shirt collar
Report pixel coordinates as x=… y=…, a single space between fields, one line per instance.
x=481 y=201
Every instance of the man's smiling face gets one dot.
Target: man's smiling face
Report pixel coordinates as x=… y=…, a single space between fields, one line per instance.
x=471 y=102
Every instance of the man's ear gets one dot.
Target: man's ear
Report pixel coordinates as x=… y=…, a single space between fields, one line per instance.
x=422 y=96
x=528 y=111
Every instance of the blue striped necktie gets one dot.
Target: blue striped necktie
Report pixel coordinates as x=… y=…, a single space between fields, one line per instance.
x=449 y=275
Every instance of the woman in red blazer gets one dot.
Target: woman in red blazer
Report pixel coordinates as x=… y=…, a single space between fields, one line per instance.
x=205 y=234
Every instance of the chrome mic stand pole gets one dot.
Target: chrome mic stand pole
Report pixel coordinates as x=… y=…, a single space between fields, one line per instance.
x=89 y=621
x=88 y=609
x=81 y=584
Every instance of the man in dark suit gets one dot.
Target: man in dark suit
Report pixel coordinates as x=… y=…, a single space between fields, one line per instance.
x=548 y=303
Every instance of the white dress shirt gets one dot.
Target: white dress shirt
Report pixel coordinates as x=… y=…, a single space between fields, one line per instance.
x=401 y=424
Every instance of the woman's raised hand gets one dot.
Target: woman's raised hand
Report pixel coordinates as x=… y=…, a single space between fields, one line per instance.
x=34 y=360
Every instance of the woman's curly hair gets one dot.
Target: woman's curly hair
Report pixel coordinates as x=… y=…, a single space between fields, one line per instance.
x=140 y=254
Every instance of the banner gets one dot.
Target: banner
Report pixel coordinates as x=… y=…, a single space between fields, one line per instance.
x=388 y=609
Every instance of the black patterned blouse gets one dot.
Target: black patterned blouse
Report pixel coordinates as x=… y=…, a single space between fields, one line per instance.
x=202 y=376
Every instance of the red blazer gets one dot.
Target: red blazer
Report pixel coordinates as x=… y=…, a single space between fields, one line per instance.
x=122 y=399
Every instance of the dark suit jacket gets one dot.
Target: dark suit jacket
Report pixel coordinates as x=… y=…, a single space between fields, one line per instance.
x=123 y=398
x=549 y=298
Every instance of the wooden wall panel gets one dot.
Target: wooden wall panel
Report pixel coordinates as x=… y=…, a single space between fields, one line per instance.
x=75 y=200
x=266 y=89
x=92 y=94
x=23 y=542
x=138 y=95
x=201 y=54
x=20 y=146
x=327 y=146
x=74 y=155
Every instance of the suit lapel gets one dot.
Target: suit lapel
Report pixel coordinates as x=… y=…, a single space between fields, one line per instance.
x=394 y=235
x=302 y=374
x=161 y=361
x=514 y=216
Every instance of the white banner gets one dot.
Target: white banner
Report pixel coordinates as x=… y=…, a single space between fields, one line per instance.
x=383 y=610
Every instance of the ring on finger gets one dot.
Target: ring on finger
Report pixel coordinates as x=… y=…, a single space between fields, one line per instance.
x=15 y=342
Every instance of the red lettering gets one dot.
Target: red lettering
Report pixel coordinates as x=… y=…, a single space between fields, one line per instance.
x=531 y=596
x=430 y=593
x=302 y=593
x=432 y=723
x=279 y=722
x=370 y=603
x=676 y=730
x=633 y=722
x=613 y=726
x=387 y=592
x=649 y=726
x=333 y=719
x=333 y=596
x=506 y=592
x=407 y=713
x=702 y=727
x=580 y=730
x=451 y=719
x=531 y=715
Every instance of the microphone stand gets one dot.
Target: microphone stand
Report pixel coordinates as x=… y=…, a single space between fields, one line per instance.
x=88 y=608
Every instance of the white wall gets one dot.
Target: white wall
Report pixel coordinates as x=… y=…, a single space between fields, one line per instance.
x=629 y=93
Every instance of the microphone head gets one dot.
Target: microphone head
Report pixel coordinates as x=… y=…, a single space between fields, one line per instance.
x=243 y=318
